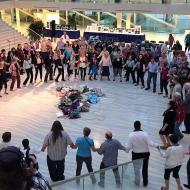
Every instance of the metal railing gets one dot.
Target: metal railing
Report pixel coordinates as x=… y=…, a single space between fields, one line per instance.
x=119 y=1
x=117 y=177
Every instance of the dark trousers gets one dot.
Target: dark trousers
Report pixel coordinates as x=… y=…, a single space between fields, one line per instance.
x=21 y=65
x=150 y=76
x=38 y=67
x=60 y=72
x=187 y=122
x=14 y=79
x=29 y=74
x=76 y=72
x=137 y=166
x=102 y=174
x=188 y=172
x=187 y=46
x=163 y=85
x=3 y=82
x=131 y=72
x=140 y=76
x=56 y=169
x=49 y=73
x=87 y=161
x=82 y=73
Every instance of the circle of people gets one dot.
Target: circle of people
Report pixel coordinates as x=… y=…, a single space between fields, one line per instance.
x=135 y=59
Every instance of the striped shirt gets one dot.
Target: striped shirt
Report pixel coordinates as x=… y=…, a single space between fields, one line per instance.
x=58 y=150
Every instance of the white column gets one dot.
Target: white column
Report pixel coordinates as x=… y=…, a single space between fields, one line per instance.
x=3 y=14
x=67 y=14
x=135 y=18
x=98 y=19
x=128 y=20
x=119 y=19
x=18 y=19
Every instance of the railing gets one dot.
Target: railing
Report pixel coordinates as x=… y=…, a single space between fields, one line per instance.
x=35 y=33
x=119 y=1
x=120 y=177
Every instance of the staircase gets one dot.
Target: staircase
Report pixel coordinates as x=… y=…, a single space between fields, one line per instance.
x=9 y=37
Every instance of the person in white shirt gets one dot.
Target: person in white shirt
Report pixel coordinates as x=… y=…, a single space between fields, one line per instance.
x=139 y=142
x=174 y=158
x=6 y=137
x=65 y=38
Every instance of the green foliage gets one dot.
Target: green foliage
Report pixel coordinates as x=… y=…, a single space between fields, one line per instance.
x=35 y=30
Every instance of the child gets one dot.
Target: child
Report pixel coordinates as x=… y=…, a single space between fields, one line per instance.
x=94 y=67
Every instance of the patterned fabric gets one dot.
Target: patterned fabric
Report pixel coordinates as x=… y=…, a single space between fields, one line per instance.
x=39 y=183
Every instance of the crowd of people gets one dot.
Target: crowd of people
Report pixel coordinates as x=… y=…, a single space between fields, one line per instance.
x=80 y=58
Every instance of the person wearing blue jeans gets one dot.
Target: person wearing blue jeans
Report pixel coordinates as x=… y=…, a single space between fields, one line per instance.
x=152 y=73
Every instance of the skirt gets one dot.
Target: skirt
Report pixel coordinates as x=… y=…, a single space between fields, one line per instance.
x=105 y=71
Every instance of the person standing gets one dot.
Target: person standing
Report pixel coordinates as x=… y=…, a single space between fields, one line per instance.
x=129 y=65
x=59 y=62
x=20 y=55
x=3 y=76
x=28 y=68
x=94 y=69
x=105 y=63
x=56 y=142
x=38 y=65
x=65 y=38
x=109 y=150
x=164 y=77
x=152 y=73
x=84 y=146
x=186 y=104
x=187 y=42
x=117 y=65
x=82 y=66
x=168 y=123
x=14 y=70
x=139 y=142
x=141 y=67
x=174 y=158
x=171 y=41
x=48 y=66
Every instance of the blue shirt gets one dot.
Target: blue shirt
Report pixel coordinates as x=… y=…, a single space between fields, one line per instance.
x=84 y=146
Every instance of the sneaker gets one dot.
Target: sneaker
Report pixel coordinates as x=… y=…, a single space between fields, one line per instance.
x=142 y=87
x=113 y=79
x=160 y=93
x=1 y=96
x=165 y=96
x=154 y=91
x=6 y=93
x=136 y=84
x=186 y=186
x=120 y=80
x=147 y=88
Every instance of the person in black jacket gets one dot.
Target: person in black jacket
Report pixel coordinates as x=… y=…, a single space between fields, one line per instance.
x=168 y=123
x=48 y=60
x=60 y=66
x=117 y=65
x=141 y=67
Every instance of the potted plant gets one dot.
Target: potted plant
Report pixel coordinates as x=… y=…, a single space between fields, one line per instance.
x=35 y=30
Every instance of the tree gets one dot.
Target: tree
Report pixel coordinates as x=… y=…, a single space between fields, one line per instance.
x=35 y=30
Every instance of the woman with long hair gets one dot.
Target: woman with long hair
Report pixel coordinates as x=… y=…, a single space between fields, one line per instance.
x=56 y=142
